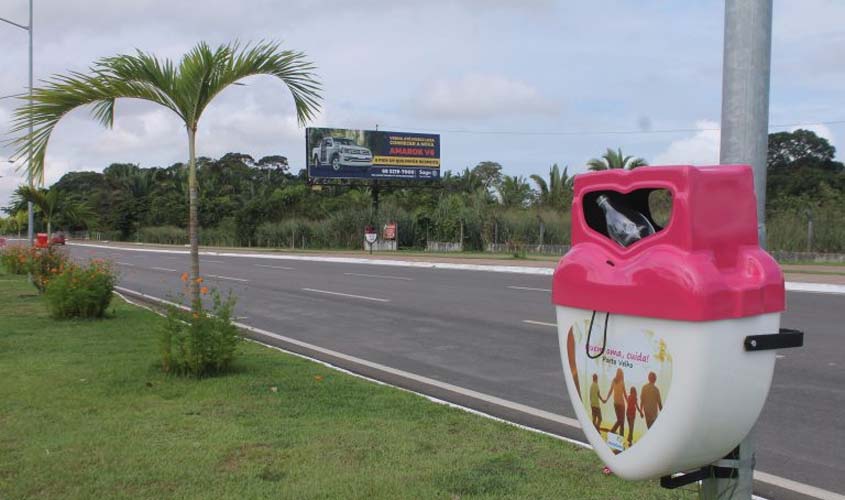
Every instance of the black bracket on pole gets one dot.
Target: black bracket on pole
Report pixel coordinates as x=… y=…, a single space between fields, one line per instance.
x=685 y=478
x=785 y=339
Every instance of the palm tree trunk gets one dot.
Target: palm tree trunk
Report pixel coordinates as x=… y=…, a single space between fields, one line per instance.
x=49 y=231
x=193 y=222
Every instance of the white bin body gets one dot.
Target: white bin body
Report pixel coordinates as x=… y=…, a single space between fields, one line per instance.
x=710 y=388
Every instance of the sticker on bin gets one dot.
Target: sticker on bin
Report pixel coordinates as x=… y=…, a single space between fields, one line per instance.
x=622 y=384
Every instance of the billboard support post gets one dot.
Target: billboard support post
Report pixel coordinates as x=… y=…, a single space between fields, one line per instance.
x=374 y=190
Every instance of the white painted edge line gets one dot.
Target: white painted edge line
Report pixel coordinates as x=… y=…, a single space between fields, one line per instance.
x=379 y=276
x=212 y=261
x=362 y=297
x=539 y=323
x=127 y=264
x=791 y=286
x=275 y=267
x=217 y=276
x=764 y=477
x=797 y=286
x=531 y=289
x=164 y=269
x=541 y=271
x=804 y=489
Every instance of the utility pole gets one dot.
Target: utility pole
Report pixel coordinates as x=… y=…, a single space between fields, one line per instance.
x=746 y=69
x=31 y=215
x=28 y=28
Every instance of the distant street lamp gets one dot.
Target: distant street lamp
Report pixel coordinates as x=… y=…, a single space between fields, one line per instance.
x=28 y=28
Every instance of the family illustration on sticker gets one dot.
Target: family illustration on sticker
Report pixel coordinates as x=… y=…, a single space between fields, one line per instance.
x=625 y=387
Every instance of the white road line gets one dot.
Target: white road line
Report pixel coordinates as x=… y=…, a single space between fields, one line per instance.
x=761 y=476
x=227 y=278
x=795 y=286
x=213 y=261
x=124 y=264
x=379 y=276
x=804 y=489
x=530 y=288
x=164 y=269
x=362 y=297
x=539 y=323
x=791 y=286
x=275 y=267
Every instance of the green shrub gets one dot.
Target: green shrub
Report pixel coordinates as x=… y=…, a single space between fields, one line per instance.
x=201 y=343
x=14 y=259
x=44 y=264
x=81 y=291
x=166 y=235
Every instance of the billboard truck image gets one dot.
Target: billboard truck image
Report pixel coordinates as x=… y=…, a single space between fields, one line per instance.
x=334 y=153
x=339 y=153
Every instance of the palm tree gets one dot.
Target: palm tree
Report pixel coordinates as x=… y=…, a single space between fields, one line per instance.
x=615 y=159
x=185 y=88
x=514 y=191
x=557 y=192
x=52 y=204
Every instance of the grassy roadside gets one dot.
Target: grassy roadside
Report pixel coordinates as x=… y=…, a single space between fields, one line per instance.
x=85 y=412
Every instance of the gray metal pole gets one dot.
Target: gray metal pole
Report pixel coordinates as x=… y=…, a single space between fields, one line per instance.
x=745 y=134
x=31 y=215
x=745 y=92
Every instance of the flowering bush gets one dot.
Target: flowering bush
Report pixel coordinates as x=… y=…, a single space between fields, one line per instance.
x=44 y=264
x=80 y=291
x=199 y=343
x=15 y=259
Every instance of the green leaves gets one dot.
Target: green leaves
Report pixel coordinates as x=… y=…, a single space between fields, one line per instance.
x=615 y=159
x=185 y=88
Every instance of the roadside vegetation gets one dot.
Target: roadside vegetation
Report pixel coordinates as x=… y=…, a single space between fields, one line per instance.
x=88 y=412
x=261 y=203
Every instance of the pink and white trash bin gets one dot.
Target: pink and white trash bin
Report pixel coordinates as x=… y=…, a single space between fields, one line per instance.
x=668 y=343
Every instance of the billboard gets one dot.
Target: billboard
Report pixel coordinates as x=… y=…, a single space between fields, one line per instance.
x=336 y=153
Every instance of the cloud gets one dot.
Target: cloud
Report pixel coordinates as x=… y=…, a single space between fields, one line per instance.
x=482 y=96
x=820 y=130
x=700 y=149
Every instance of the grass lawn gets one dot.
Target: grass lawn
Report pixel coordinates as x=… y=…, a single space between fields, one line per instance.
x=86 y=413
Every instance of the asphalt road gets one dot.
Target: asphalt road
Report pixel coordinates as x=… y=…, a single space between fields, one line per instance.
x=493 y=333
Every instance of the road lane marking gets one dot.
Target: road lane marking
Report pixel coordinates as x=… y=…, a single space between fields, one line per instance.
x=539 y=323
x=804 y=489
x=275 y=267
x=379 y=276
x=227 y=278
x=362 y=297
x=213 y=261
x=124 y=264
x=166 y=269
x=530 y=288
x=761 y=476
x=794 y=286
x=791 y=286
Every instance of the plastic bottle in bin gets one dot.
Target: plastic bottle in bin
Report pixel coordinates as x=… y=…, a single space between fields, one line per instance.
x=624 y=225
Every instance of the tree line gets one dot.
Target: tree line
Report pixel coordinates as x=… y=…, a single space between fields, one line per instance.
x=259 y=202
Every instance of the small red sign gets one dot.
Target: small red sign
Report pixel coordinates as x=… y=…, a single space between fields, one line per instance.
x=390 y=231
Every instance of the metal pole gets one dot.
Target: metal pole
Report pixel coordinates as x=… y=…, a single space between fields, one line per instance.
x=31 y=215
x=745 y=92
x=745 y=133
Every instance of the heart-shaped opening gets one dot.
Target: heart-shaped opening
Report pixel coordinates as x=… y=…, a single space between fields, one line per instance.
x=628 y=217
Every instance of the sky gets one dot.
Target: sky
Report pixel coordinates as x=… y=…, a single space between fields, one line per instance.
x=526 y=83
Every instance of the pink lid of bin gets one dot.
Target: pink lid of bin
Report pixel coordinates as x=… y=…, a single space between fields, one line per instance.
x=706 y=264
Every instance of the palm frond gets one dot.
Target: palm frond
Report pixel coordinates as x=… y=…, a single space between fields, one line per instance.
x=185 y=89
x=230 y=63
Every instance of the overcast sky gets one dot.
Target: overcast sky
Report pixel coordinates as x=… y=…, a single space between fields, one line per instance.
x=489 y=75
